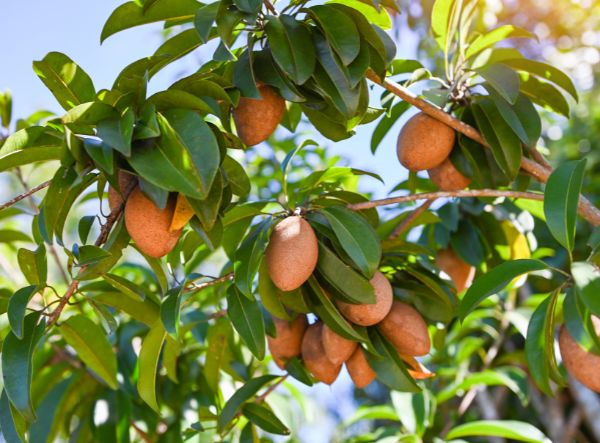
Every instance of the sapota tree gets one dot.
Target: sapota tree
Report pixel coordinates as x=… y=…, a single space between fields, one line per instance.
x=152 y=193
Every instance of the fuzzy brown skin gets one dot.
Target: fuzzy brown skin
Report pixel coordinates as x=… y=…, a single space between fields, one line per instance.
x=257 y=119
x=461 y=273
x=582 y=365
x=149 y=225
x=337 y=348
x=370 y=314
x=447 y=178
x=359 y=369
x=292 y=253
x=406 y=329
x=288 y=341
x=313 y=355
x=424 y=143
x=115 y=197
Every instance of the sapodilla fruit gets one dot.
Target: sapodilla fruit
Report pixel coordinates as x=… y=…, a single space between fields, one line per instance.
x=115 y=198
x=337 y=348
x=148 y=225
x=424 y=143
x=288 y=340
x=461 y=273
x=373 y=313
x=406 y=330
x=292 y=253
x=582 y=365
x=447 y=178
x=257 y=119
x=313 y=355
x=359 y=369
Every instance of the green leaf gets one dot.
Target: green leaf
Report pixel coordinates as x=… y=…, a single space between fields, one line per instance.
x=249 y=6
x=17 y=368
x=170 y=310
x=440 y=21
x=247 y=319
x=503 y=79
x=8 y=426
x=44 y=429
x=296 y=369
x=340 y=30
x=357 y=237
x=270 y=295
x=118 y=131
x=148 y=364
x=17 y=306
x=249 y=255
x=489 y=39
x=539 y=345
x=132 y=14
x=386 y=123
x=291 y=46
x=126 y=286
x=31 y=155
x=515 y=430
x=579 y=322
x=494 y=281
x=243 y=394
x=522 y=117
x=89 y=254
x=353 y=286
x=243 y=73
x=5 y=108
x=176 y=47
x=34 y=265
x=263 y=417
x=561 y=198
x=545 y=94
x=146 y=311
x=69 y=84
x=205 y=18
x=545 y=71
x=587 y=280
x=236 y=177
x=377 y=16
x=92 y=347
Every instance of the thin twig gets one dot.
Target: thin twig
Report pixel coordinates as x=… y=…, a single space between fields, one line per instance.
x=446 y=194
x=270 y=7
x=143 y=435
x=405 y=224
x=20 y=197
x=586 y=209
x=193 y=288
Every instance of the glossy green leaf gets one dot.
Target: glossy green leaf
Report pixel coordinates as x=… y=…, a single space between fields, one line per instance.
x=124 y=285
x=587 y=280
x=176 y=47
x=243 y=73
x=69 y=84
x=270 y=295
x=17 y=370
x=31 y=155
x=33 y=265
x=263 y=417
x=545 y=71
x=296 y=369
x=246 y=317
x=89 y=254
x=243 y=394
x=170 y=310
x=357 y=237
x=8 y=427
x=377 y=16
x=489 y=39
x=17 y=306
x=205 y=18
x=522 y=117
x=386 y=123
x=561 y=198
x=545 y=94
x=339 y=29
x=515 y=430
x=503 y=79
x=117 y=132
x=440 y=21
x=148 y=364
x=578 y=321
x=92 y=347
x=249 y=255
x=5 y=108
x=494 y=281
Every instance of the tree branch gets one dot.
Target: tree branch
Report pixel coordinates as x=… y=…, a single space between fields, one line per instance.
x=446 y=194
x=586 y=209
x=405 y=224
x=20 y=197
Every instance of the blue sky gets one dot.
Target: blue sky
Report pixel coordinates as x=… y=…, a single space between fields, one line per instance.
x=32 y=28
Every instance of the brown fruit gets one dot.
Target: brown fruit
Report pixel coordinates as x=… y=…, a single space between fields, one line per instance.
x=406 y=330
x=115 y=197
x=288 y=341
x=313 y=355
x=370 y=314
x=447 y=178
x=359 y=369
x=424 y=143
x=292 y=253
x=337 y=348
x=582 y=365
x=461 y=273
x=257 y=119
x=148 y=225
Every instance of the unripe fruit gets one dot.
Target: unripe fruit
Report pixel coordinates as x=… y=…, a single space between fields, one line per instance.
x=359 y=369
x=337 y=348
x=582 y=365
x=424 y=143
x=313 y=355
x=148 y=225
x=370 y=314
x=115 y=198
x=288 y=341
x=461 y=273
x=257 y=119
x=292 y=253
x=406 y=330
x=447 y=178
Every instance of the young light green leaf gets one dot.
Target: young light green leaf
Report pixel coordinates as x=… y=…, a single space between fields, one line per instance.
x=515 y=430
x=494 y=281
x=148 y=364
x=561 y=198
x=247 y=319
x=33 y=265
x=489 y=39
x=92 y=347
x=440 y=21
